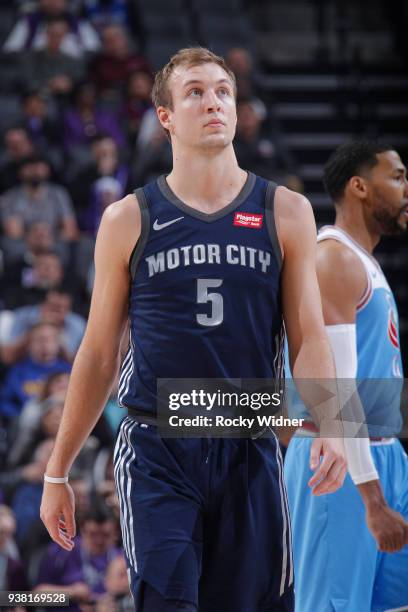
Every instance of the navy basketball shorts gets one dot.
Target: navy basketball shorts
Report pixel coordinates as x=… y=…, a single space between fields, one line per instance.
x=205 y=521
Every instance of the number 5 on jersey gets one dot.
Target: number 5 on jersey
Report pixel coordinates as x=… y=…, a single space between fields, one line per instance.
x=204 y=296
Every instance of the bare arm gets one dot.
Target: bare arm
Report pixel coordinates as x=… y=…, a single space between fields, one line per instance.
x=309 y=348
x=97 y=360
x=341 y=292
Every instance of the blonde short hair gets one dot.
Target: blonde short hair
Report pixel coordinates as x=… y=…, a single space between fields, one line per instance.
x=189 y=57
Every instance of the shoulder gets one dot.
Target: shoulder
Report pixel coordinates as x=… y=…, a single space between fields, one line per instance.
x=291 y=205
x=123 y=211
x=341 y=274
x=335 y=252
x=339 y=261
x=295 y=223
x=120 y=228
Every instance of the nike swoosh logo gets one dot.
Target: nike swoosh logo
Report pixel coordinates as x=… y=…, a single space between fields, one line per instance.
x=158 y=226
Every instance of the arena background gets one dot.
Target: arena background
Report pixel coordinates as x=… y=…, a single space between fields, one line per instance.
x=311 y=74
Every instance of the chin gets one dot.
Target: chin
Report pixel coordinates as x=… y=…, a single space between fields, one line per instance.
x=216 y=141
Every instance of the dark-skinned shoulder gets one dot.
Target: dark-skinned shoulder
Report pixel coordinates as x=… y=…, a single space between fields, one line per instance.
x=342 y=281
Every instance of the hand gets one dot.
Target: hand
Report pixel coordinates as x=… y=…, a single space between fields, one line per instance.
x=331 y=471
x=57 y=513
x=389 y=528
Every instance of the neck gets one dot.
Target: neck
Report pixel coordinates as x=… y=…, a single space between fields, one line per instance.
x=350 y=218
x=206 y=181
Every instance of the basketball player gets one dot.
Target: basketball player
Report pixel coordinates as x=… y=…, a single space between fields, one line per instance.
x=343 y=542
x=207 y=264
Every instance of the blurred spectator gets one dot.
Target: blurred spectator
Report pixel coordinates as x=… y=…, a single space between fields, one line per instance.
x=21 y=254
x=82 y=493
x=104 y=481
x=18 y=146
x=12 y=575
x=28 y=285
x=111 y=68
x=86 y=119
x=29 y=31
x=118 y=597
x=55 y=310
x=45 y=427
x=42 y=127
x=55 y=385
x=102 y=12
x=139 y=89
x=104 y=181
x=259 y=149
x=24 y=379
x=8 y=545
x=27 y=497
x=81 y=572
x=37 y=199
x=50 y=69
x=240 y=61
x=153 y=151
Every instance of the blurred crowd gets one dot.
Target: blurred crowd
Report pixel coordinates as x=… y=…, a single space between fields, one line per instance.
x=86 y=134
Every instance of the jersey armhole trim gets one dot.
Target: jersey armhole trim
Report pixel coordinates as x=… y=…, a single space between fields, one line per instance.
x=270 y=221
x=140 y=245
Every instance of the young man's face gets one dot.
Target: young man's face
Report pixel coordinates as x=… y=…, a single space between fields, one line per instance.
x=204 y=111
x=389 y=193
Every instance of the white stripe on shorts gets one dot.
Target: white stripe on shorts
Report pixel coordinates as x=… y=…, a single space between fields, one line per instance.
x=129 y=498
x=288 y=515
x=285 y=521
x=121 y=452
x=124 y=484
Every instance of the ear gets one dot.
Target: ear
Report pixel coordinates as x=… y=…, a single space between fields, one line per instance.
x=164 y=116
x=358 y=187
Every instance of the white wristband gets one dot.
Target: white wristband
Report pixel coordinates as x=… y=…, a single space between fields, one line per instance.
x=53 y=480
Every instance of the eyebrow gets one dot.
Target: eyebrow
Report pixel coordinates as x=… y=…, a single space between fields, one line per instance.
x=198 y=82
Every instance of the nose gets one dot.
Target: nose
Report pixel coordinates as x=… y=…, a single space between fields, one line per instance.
x=212 y=102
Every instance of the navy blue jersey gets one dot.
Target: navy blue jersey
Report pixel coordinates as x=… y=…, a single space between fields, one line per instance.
x=205 y=297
